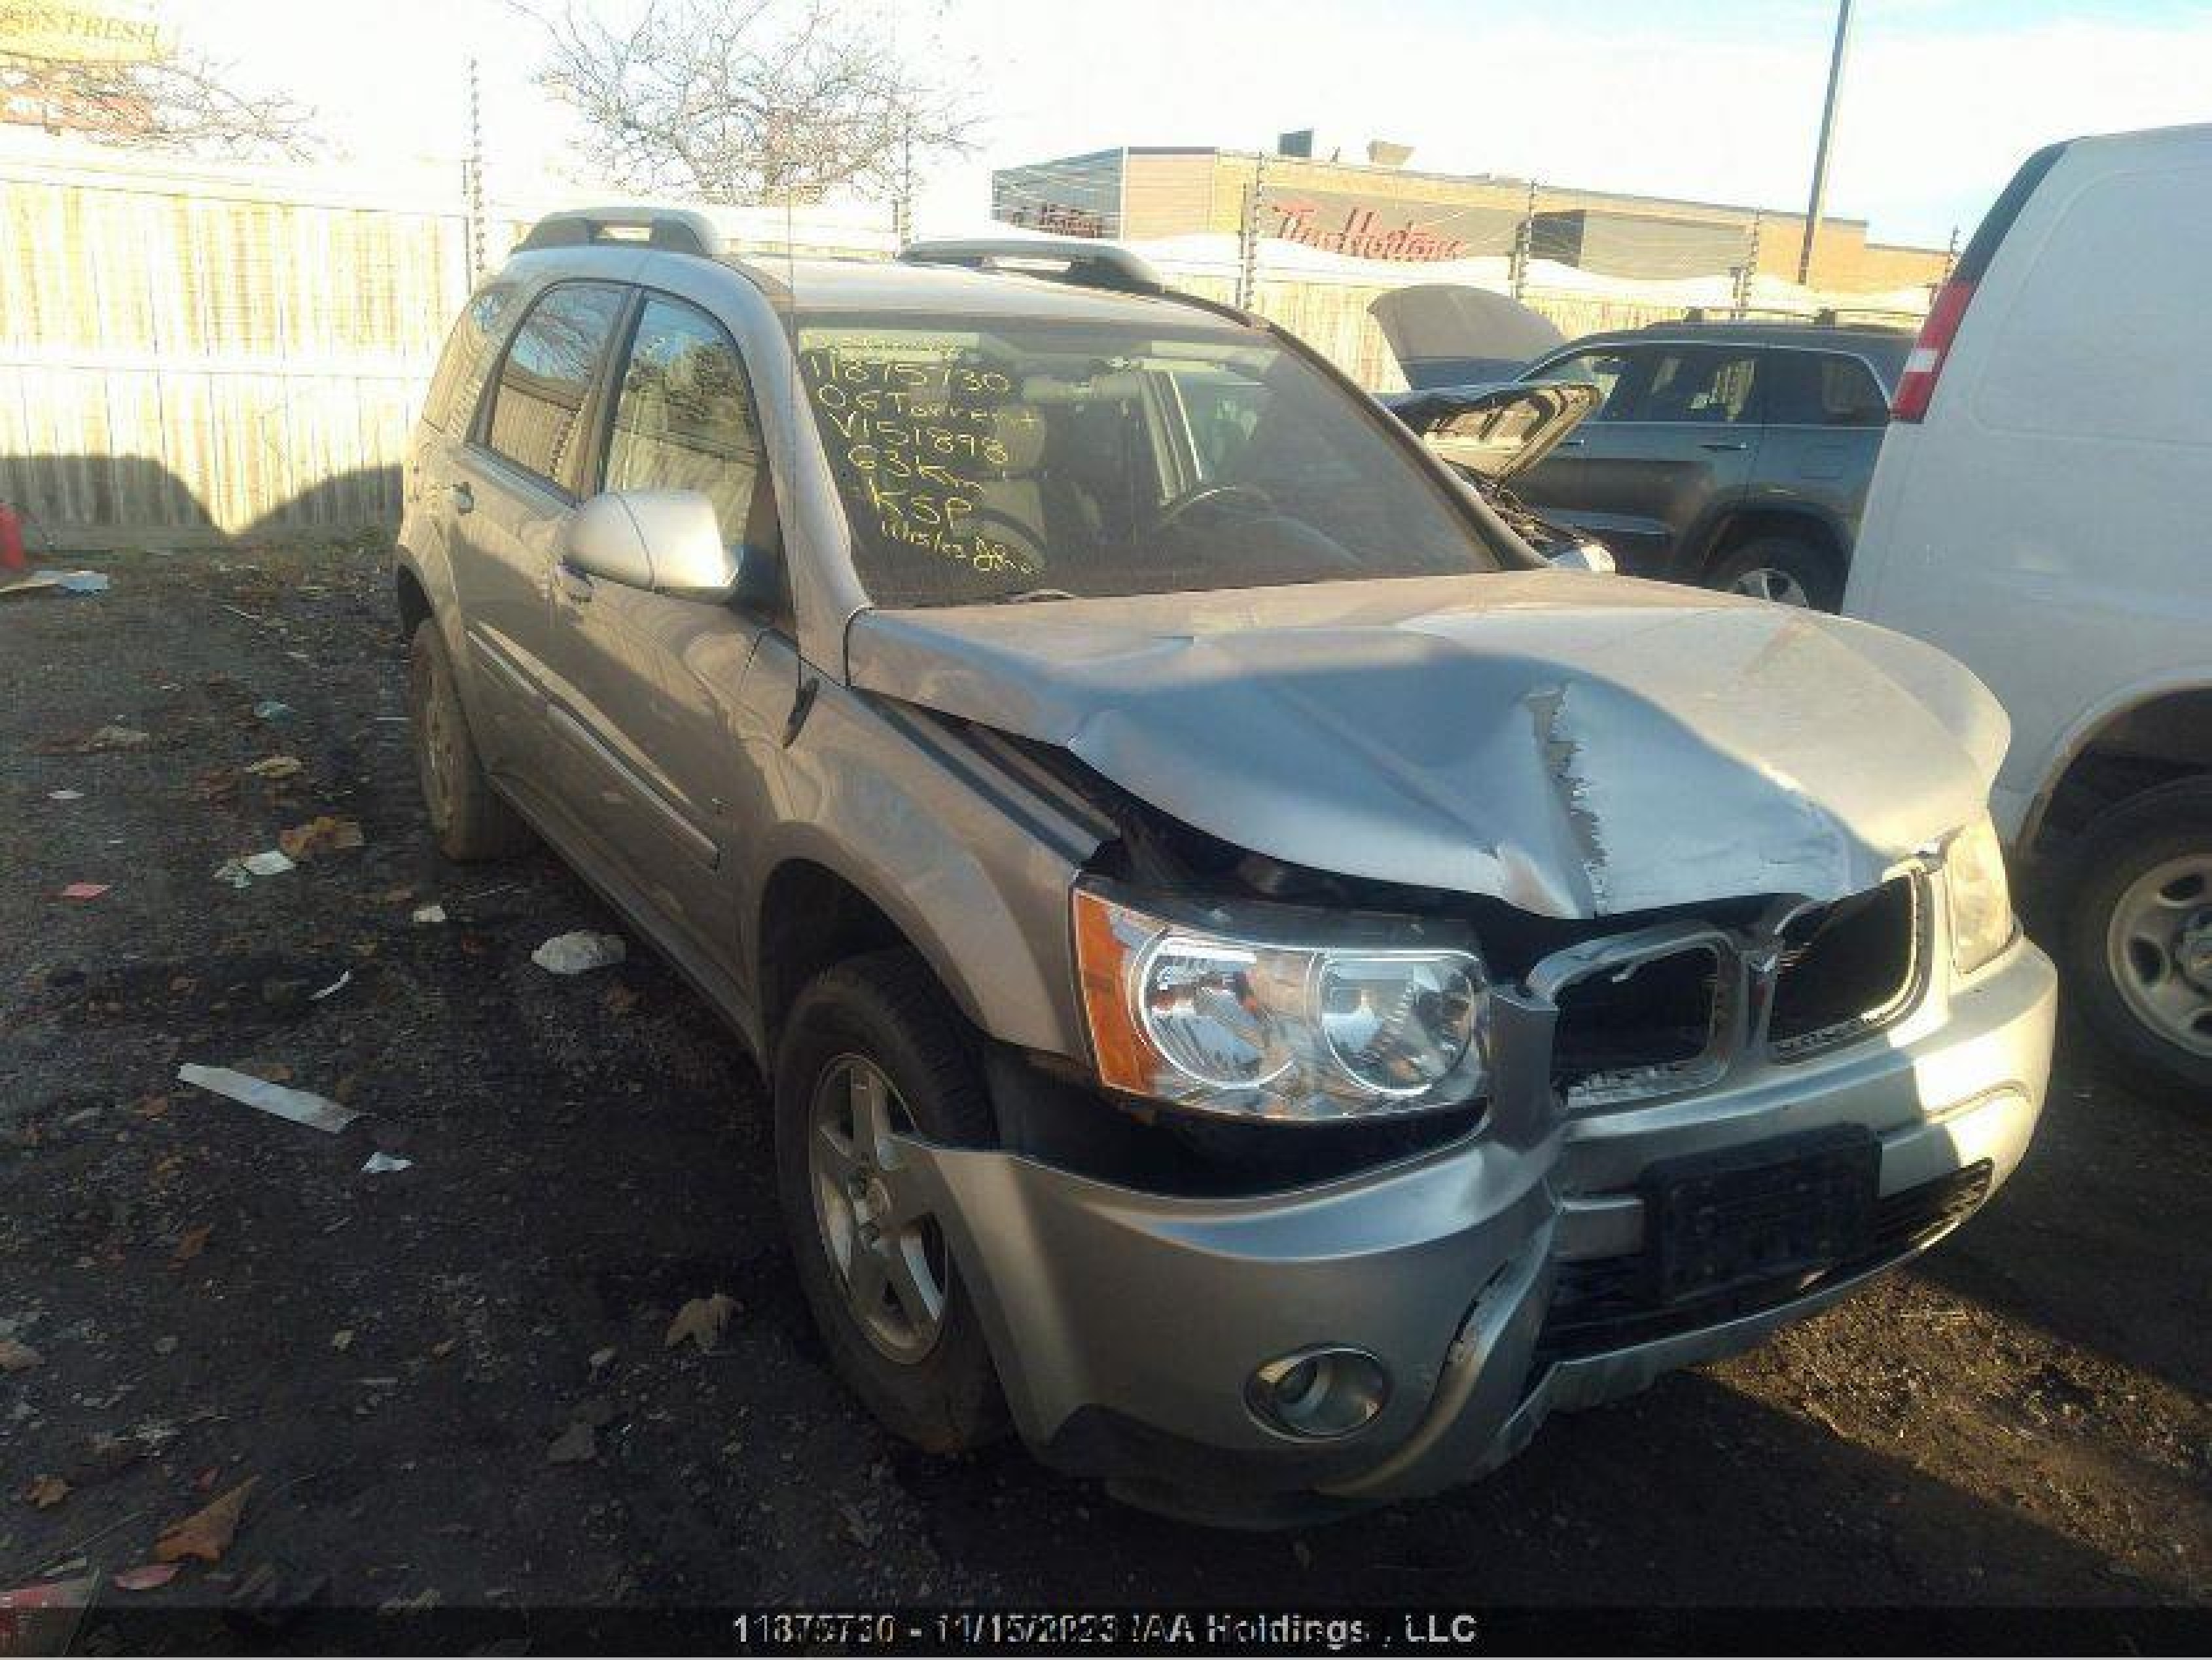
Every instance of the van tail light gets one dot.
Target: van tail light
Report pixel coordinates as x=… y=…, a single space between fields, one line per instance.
x=1925 y=362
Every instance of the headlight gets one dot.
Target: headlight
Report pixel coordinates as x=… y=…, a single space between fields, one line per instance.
x=1980 y=898
x=1284 y=1021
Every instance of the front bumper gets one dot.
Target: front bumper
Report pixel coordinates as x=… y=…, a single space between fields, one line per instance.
x=1125 y=1324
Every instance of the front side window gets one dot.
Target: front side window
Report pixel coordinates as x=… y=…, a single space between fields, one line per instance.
x=1607 y=370
x=1705 y=385
x=684 y=419
x=979 y=459
x=538 y=409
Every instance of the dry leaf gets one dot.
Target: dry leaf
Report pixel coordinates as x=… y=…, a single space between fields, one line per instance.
x=618 y=999
x=152 y=1106
x=269 y=1072
x=148 y=1577
x=577 y=1444
x=275 y=766
x=321 y=834
x=17 y=1357
x=701 y=1320
x=440 y=1351
x=46 y=1490
x=207 y=1533
x=342 y=1340
x=191 y=1242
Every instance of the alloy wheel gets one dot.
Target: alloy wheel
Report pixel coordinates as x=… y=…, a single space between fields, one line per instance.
x=1765 y=582
x=888 y=1250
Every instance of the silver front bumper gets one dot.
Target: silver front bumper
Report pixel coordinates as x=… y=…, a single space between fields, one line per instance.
x=1149 y=1313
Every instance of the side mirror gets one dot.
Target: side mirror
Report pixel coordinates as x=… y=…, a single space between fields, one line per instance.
x=666 y=541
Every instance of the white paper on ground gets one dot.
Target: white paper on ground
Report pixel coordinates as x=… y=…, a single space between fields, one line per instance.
x=300 y=1106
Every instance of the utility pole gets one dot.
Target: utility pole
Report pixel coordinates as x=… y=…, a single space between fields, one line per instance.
x=1827 y=138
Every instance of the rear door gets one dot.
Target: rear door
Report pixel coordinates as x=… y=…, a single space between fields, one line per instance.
x=1679 y=449
x=1826 y=414
x=509 y=491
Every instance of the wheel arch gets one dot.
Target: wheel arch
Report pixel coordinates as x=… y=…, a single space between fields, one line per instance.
x=2143 y=737
x=1744 y=521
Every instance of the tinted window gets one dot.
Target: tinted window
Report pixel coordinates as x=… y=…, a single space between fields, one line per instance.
x=1704 y=384
x=684 y=420
x=1607 y=370
x=1821 y=389
x=464 y=354
x=537 y=412
x=977 y=460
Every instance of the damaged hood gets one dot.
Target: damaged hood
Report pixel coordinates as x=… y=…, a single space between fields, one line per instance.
x=1577 y=746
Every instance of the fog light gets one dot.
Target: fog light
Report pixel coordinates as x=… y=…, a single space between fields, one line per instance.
x=1318 y=1394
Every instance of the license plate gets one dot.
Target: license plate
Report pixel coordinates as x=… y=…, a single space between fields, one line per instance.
x=1770 y=1212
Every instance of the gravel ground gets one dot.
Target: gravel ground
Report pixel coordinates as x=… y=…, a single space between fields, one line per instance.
x=401 y=1362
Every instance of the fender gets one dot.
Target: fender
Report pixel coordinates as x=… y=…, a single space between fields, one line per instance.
x=974 y=868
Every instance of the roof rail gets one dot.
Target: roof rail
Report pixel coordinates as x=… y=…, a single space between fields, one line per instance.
x=676 y=230
x=1070 y=259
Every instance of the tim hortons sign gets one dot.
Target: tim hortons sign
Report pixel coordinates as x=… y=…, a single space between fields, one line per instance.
x=1381 y=227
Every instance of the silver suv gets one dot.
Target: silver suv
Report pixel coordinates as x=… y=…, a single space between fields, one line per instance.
x=1267 y=988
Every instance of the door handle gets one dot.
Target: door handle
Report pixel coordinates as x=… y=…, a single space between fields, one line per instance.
x=464 y=499
x=1724 y=444
x=1570 y=443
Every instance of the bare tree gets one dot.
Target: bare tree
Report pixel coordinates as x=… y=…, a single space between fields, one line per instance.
x=762 y=102
x=174 y=102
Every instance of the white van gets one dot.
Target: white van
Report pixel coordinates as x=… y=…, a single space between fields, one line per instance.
x=2042 y=510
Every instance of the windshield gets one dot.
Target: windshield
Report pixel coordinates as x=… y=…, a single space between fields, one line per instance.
x=983 y=459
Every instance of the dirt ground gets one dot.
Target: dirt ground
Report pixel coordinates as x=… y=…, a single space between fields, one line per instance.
x=216 y=1296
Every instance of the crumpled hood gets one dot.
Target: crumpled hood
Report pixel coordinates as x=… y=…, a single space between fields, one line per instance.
x=1577 y=746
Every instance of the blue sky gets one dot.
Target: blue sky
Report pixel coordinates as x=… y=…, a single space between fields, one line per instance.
x=1716 y=99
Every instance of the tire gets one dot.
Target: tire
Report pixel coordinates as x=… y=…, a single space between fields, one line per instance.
x=934 y=1387
x=469 y=819
x=2148 y=859
x=1782 y=569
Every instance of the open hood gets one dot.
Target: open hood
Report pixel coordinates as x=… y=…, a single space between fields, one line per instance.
x=1496 y=431
x=1577 y=746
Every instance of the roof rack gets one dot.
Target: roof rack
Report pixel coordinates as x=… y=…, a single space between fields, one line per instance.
x=676 y=230
x=1828 y=317
x=1068 y=259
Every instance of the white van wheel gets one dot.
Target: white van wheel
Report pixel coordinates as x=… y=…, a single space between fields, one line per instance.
x=2139 y=934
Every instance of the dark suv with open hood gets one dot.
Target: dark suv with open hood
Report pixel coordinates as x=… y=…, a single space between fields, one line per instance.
x=1732 y=455
x=1267 y=988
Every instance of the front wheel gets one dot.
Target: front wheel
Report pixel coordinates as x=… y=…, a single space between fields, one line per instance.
x=2138 y=935
x=872 y=1054
x=1781 y=568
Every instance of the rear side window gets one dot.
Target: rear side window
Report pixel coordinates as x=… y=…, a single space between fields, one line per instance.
x=684 y=419
x=1821 y=389
x=1703 y=385
x=538 y=411
x=1607 y=370
x=445 y=405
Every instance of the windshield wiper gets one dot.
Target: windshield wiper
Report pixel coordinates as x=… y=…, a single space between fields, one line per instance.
x=1029 y=596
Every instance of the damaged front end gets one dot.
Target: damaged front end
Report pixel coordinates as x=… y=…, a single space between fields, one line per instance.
x=1418 y=940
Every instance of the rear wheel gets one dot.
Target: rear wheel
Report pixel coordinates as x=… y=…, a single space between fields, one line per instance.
x=2138 y=935
x=872 y=1052
x=1782 y=569
x=470 y=819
